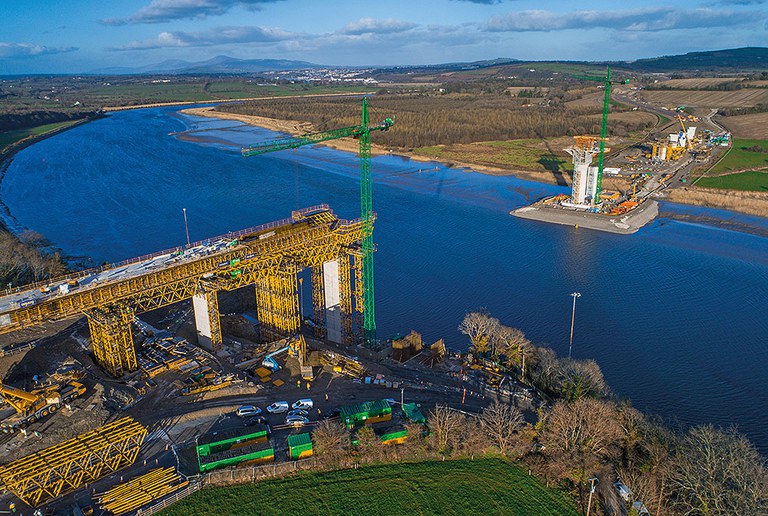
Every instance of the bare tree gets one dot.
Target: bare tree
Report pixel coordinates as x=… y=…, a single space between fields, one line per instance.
x=479 y=326
x=510 y=342
x=445 y=425
x=330 y=438
x=719 y=472
x=501 y=423
x=581 y=378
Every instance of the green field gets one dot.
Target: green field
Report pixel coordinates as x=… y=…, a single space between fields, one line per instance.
x=528 y=154
x=9 y=137
x=483 y=486
x=752 y=181
x=741 y=158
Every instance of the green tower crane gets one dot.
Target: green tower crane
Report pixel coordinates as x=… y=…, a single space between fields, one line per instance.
x=363 y=134
x=604 y=124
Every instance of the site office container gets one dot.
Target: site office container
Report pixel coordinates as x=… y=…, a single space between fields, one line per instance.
x=215 y=443
x=300 y=445
x=257 y=453
x=395 y=437
x=365 y=413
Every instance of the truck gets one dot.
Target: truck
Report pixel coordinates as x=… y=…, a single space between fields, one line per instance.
x=36 y=404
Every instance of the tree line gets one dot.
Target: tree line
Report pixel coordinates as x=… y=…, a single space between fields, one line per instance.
x=583 y=433
x=26 y=259
x=424 y=120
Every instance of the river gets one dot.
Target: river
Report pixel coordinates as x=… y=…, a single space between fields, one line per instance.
x=675 y=315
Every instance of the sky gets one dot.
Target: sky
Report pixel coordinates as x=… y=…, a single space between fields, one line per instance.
x=81 y=36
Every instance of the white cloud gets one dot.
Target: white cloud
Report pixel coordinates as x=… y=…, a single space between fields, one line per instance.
x=161 y=11
x=13 y=50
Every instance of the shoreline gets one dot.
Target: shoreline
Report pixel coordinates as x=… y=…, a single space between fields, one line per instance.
x=297 y=128
x=723 y=200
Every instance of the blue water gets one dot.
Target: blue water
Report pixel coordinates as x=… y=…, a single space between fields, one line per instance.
x=675 y=315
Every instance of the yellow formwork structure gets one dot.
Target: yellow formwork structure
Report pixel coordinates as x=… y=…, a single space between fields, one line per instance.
x=345 y=299
x=357 y=293
x=318 y=301
x=70 y=465
x=277 y=304
x=111 y=338
x=269 y=256
x=142 y=490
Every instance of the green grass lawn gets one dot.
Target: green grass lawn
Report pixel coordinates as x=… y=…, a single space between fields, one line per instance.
x=520 y=154
x=740 y=158
x=9 y=137
x=752 y=180
x=483 y=486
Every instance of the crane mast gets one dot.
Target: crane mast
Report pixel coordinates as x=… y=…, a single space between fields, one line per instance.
x=363 y=134
x=607 y=82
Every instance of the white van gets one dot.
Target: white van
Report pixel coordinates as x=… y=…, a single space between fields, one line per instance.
x=303 y=404
x=278 y=407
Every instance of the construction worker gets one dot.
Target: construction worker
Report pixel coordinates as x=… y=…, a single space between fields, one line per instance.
x=298 y=384
x=326 y=396
x=307 y=385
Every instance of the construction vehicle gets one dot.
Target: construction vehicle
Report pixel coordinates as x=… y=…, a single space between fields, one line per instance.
x=297 y=347
x=37 y=404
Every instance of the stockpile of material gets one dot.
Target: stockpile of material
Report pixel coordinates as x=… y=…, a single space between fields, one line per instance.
x=142 y=490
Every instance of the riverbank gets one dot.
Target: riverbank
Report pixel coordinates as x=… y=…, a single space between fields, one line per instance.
x=228 y=101
x=749 y=203
x=297 y=128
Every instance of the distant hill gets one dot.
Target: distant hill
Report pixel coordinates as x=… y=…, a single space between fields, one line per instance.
x=747 y=58
x=216 y=65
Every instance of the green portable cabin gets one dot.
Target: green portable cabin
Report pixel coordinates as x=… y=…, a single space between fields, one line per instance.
x=412 y=413
x=365 y=413
x=394 y=436
x=300 y=445
x=258 y=452
x=221 y=441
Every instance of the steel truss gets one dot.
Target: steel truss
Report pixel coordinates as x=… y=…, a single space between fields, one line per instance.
x=69 y=465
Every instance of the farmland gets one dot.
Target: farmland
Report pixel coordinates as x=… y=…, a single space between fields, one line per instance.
x=9 y=137
x=697 y=83
x=483 y=486
x=745 y=155
x=751 y=181
x=754 y=126
x=707 y=99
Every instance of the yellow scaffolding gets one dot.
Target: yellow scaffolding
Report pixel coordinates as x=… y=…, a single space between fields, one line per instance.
x=69 y=465
x=345 y=299
x=357 y=293
x=318 y=301
x=277 y=304
x=111 y=339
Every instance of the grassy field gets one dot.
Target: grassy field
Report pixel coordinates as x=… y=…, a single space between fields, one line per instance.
x=484 y=486
x=750 y=181
x=528 y=154
x=741 y=158
x=9 y=137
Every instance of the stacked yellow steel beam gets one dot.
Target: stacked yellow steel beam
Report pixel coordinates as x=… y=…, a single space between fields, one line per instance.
x=142 y=490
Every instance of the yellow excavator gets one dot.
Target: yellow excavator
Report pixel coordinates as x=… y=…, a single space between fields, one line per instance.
x=37 y=404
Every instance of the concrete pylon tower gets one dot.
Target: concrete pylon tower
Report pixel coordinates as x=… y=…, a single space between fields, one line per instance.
x=584 y=148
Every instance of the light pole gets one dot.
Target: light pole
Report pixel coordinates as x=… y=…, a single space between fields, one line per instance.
x=186 y=226
x=593 y=482
x=574 y=295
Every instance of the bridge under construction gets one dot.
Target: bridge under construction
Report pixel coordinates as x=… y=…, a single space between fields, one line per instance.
x=268 y=257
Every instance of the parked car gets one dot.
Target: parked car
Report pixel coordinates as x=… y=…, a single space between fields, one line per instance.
x=254 y=420
x=278 y=407
x=303 y=404
x=623 y=491
x=641 y=509
x=296 y=420
x=298 y=412
x=248 y=410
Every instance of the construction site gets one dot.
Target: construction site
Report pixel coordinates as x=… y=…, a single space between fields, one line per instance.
x=663 y=159
x=130 y=383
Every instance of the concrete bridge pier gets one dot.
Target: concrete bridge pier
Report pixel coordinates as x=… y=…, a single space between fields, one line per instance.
x=205 y=305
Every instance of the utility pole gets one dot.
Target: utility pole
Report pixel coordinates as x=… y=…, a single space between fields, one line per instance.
x=186 y=226
x=593 y=482
x=574 y=295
